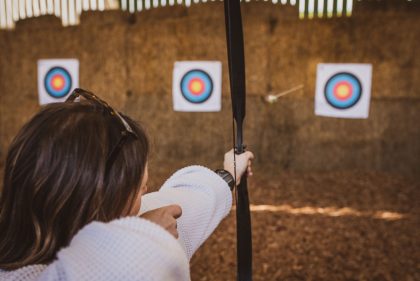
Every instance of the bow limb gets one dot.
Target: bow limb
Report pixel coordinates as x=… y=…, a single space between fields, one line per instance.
x=235 y=47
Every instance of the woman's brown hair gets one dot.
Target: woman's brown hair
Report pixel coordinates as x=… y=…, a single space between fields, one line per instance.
x=56 y=180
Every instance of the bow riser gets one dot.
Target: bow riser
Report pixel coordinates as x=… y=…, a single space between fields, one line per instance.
x=235 y=47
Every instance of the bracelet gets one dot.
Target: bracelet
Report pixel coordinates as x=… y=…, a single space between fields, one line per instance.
x=227 y=177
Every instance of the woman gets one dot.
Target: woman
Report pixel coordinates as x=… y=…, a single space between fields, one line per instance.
x=72 y=198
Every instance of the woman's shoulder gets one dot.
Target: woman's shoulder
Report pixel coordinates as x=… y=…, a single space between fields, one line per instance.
x=130 y=237
x=129 y=248
x=27 y=273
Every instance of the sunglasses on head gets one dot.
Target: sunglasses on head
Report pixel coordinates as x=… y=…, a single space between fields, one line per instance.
x=125 y=130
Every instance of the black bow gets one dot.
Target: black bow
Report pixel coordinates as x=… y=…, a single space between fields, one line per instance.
x=235 y=48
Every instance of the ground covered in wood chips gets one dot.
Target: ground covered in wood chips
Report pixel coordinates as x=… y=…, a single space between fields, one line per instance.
x=323 y=226
x=320 y=226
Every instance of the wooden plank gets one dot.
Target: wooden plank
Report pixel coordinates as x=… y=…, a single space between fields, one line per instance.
x=29 y=13
x=64 y=12
x=57 y=9
x=3 y=21
x=15 y=11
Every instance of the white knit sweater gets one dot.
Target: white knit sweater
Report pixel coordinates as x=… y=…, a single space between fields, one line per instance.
x=133 y=248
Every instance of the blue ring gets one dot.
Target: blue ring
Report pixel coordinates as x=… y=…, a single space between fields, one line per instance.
x=208 y=83
x=67 y=82
x=355 y=95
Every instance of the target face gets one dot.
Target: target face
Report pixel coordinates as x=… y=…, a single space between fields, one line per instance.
x=196 y=86
x=343 y=90
x=58 y=82
x=56 y=79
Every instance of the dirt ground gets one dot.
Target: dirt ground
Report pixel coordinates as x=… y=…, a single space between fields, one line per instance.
x=320 y=226
x=323 y=226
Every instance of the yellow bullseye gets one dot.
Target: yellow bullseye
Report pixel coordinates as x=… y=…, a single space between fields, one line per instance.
x=58 y=82
x=343 y=91
x=196 y=87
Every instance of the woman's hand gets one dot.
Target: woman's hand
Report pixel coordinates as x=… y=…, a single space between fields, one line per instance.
x=243 y=164
x=165 y=217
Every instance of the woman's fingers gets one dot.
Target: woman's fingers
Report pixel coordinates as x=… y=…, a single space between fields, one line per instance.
x=250 y=155
x=249 y=169
x=165 y=217
x=246 y=162
x=174 y=210
x=243 y=164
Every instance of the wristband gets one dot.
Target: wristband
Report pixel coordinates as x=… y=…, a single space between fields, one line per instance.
x=227 y=177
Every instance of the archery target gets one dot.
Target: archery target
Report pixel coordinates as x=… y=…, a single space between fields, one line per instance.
x=343 y=90
x=197 y=86
x=57 y=82
x=56 y=79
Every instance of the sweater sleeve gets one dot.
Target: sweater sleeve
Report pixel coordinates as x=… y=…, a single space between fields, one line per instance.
x=126 y=249
x=205 y=199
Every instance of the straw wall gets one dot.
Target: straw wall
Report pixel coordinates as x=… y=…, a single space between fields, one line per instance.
x=128 y=60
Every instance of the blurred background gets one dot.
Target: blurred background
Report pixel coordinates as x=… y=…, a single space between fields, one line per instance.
x=332 y=199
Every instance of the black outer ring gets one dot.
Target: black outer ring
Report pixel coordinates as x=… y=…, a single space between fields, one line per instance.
x=211 y=85
x=45 y=81
x=355 y=78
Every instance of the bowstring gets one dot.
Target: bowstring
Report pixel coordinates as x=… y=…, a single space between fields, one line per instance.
x=234 y=162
